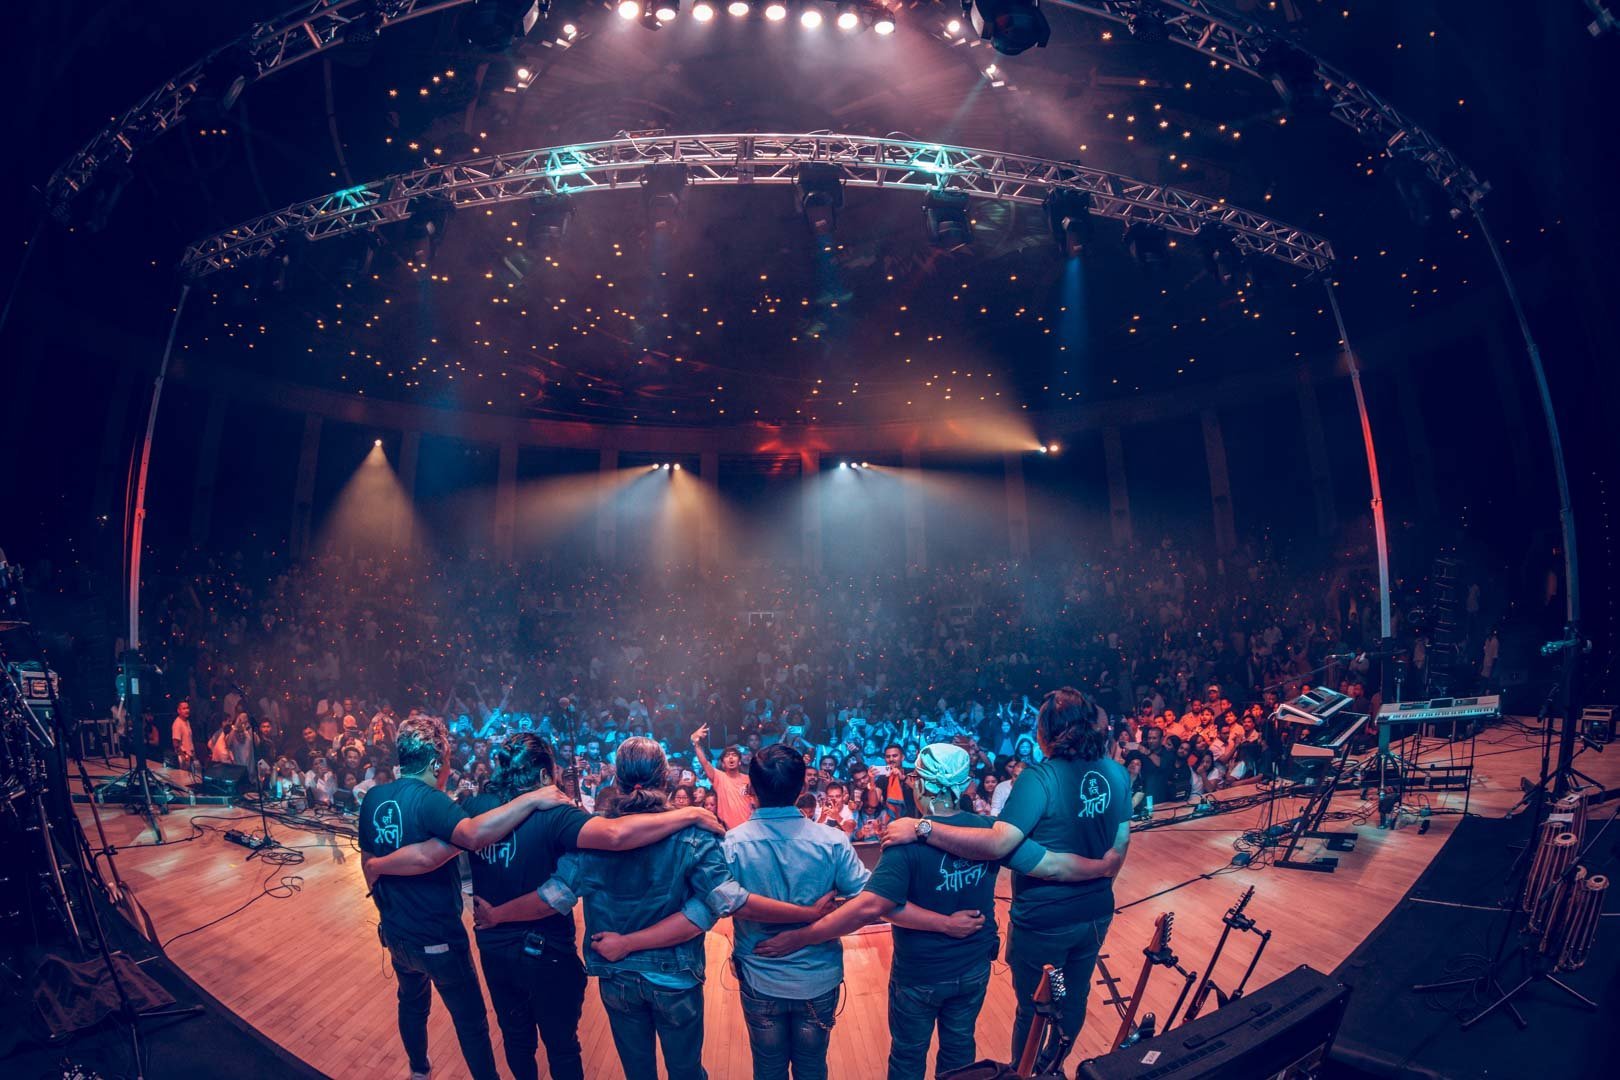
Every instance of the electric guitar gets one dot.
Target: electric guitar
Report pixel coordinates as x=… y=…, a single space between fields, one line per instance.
x=1049 y=995
x=1156 y=953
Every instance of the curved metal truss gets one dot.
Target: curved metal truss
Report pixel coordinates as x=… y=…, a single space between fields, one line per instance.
x=750 y=159
x=318 y=25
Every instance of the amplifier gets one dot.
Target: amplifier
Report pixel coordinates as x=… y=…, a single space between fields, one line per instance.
x=1282 y=1030
x=227 y=780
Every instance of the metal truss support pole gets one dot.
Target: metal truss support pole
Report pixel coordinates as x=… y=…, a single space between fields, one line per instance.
x=137 y=527
x=1571 y=643
x=1372 y=463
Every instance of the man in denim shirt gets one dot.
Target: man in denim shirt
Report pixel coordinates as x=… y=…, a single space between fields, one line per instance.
x=790 y=1002
x=645 y=914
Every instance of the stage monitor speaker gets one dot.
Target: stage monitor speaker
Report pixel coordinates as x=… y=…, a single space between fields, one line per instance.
x=1282 y=1030
x=227 y=780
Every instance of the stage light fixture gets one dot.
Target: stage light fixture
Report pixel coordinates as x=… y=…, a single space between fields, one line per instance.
x=661 y=189
x=548 y=224
x=424 y=232
x=1042 y=450
x=1148 y=244
x=1292 y=74
x=738 y=8
x=954 y=26
x=843 y=464
x=880 y=18
x=702 y=11
x=676 y=466
x=377 y=443
x=849 y=17
x=776 y=11
x=821 y=195
x=668 y=11
x=810 y=17
x=946 y=214
x=866 y=464
x=1068 y=212
x=1147 y=23
x=1221 y=255
x=629 y=10
x=494 y=24
x=1053 y=448
x=1011 y=26
x=649 y=20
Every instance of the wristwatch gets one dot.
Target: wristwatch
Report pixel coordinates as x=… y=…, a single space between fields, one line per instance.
x=925 y=829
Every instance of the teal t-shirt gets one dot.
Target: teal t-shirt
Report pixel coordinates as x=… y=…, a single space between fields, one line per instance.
x=946 y=883
x=1074 y=807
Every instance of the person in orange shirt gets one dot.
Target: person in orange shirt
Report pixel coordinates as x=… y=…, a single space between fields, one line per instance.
x=729 y=782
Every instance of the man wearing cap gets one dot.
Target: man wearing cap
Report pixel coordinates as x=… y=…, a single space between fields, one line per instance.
x=937 y=979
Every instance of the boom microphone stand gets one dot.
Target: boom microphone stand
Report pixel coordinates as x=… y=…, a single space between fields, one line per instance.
x=265 y=841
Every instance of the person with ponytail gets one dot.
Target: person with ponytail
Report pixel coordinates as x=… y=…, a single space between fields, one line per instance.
x=646 y=911
x=1066 y=827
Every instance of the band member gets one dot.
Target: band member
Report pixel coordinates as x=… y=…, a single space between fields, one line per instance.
x=421 y=916
x=1077 y=802
x=532 y=967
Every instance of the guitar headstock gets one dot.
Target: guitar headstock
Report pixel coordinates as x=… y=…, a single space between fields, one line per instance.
x=1162 y=928
x=1243 y=901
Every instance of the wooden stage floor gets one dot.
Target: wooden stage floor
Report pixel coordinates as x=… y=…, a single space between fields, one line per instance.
x=306 y=968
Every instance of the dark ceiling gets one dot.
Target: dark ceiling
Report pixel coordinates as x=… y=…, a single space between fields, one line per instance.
x=740 y=317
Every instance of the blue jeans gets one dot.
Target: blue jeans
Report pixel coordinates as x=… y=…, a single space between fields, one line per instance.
x=915 y=1009
x=789 y=1031
x=1074 y=948
x=449 y=970
x=644 y=1016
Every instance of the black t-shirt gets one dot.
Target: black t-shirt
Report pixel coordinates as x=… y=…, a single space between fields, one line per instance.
x=939 y=881
x=1073 y=807
x=424 y=909
x=520 y=864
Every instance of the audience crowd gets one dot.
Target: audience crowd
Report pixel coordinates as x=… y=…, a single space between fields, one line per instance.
x=308 y=670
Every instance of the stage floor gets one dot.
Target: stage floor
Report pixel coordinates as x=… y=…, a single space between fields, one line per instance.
x=305 y=967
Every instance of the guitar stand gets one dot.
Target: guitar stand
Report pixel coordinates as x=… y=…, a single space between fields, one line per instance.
x=1160 y=956
x=1234 y=919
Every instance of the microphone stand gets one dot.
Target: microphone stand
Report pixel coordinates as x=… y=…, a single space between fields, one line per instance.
x=266 y=841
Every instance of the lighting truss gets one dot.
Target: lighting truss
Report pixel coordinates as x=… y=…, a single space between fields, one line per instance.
x=318 y=25
x=753 y=159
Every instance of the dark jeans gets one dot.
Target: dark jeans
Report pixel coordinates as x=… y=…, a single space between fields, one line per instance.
x=789 y=1031
x=1074 y=949
x=449 y=970
x=914 y=1010
x=537 y=993
x=644 y=1016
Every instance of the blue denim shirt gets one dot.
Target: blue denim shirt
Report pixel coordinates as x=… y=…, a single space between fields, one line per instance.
x=626 y=891
x=780 y=854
